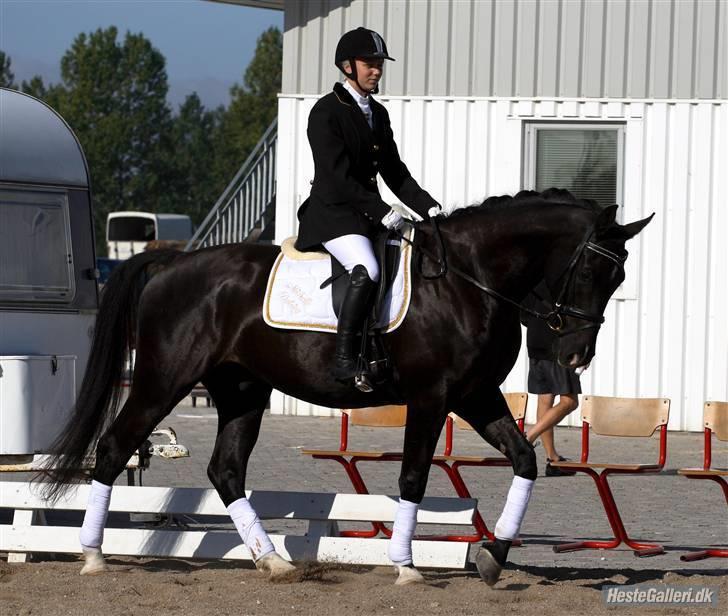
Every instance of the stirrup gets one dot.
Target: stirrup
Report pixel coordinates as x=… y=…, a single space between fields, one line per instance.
x=362 y=383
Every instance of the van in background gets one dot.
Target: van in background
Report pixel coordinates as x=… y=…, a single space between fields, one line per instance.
x=128 y=233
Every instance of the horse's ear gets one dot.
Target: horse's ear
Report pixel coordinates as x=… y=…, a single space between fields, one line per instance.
x=606 y=218
x=626 y=232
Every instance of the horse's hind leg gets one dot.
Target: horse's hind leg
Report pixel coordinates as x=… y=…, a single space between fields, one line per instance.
x=147 y=405
x=487 y=411
x=240 y=402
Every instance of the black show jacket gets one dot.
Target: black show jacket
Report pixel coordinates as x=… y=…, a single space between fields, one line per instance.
x=347 y=156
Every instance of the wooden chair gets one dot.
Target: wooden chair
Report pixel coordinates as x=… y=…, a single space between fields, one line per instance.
x=618 y=417
x=517 y=404
x=715 y=420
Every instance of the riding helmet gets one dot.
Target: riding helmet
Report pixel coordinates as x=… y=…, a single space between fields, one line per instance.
x=361 y=43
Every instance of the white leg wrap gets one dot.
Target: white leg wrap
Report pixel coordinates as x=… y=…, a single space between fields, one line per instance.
x=400 y=545
x=94 y=520
x=509 y=524
x=250 y=529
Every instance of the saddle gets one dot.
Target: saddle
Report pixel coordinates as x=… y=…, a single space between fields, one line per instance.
x=306 y=289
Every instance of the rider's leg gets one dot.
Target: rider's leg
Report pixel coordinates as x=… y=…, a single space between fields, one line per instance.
x=352 y=250
x=356 y=254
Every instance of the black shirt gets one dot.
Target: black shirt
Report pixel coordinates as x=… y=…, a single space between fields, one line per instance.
x=540 y=339
x=347 y=156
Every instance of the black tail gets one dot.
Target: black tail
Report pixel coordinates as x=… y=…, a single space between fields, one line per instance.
x=98 y=400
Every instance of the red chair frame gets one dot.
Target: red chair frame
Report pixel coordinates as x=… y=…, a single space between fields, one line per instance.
x=605 y=493
x=709 y=473
x=350 y=460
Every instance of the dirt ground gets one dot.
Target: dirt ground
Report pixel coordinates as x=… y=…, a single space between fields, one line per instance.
x=156 y=586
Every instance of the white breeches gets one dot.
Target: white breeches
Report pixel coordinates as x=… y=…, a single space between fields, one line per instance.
x=352 y=250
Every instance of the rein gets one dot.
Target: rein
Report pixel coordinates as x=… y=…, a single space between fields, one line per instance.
x=553 y=318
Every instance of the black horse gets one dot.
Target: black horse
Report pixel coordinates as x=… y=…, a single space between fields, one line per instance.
x=198 y=317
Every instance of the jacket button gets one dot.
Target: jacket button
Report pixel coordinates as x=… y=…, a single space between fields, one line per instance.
x=373 y=180
x=375 y=148
x=310 y=182
x=375 y=162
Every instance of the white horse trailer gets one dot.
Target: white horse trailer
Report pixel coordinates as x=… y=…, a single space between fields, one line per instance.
x=48 y=289
x=127 y=233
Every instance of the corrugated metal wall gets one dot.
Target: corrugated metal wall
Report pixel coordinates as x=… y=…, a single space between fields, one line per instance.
x=666 y=332
x=528 y=48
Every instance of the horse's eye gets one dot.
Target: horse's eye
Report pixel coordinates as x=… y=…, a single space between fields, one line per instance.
x=585 y=275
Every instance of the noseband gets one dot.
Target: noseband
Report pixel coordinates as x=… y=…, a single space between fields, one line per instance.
x=555 y=317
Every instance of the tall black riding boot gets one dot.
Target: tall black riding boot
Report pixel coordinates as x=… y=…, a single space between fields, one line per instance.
x=354 y=310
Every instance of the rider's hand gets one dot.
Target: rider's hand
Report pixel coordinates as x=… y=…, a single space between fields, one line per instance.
x=393 y=221
x=434 y=210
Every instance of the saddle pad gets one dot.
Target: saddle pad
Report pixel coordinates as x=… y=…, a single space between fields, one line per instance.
x=294 y=299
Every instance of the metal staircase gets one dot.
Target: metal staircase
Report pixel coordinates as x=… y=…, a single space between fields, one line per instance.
x=246 y=209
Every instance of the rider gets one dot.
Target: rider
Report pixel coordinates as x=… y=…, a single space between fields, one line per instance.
x=351 y=140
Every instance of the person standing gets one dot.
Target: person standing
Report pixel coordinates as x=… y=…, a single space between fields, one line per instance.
x=547 y=379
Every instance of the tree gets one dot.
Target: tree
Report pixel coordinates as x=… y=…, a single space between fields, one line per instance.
x=252 y=108
x=36 y=87
x=192 y=188
x=114 y=96
x=7 y=78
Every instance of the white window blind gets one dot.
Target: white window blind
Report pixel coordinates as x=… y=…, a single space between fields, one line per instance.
x=587 y=161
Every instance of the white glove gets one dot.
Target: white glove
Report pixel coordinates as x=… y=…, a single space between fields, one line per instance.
x=393 y=220
x=434 y=211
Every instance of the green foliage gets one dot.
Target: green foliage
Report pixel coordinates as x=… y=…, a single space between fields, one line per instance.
x=7 y=78
x=141 y=156
x=114 y=97
x=253 y=106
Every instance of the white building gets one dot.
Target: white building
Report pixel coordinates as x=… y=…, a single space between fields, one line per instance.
x=490 y=96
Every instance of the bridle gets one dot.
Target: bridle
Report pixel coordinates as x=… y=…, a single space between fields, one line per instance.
x=555 y=317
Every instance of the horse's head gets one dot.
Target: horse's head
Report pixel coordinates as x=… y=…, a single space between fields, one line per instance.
x=583 y=289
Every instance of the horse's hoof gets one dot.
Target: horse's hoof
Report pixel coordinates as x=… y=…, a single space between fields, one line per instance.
x=408 y=575
x=488 y=566
x=94 y=562
x=276 y=567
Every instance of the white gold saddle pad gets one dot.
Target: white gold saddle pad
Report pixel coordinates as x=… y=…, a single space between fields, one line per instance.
x=294 y=299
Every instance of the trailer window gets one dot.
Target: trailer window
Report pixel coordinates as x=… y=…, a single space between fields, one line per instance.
x=35 y=246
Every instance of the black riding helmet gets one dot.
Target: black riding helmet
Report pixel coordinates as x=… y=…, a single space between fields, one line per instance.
x=360 y=43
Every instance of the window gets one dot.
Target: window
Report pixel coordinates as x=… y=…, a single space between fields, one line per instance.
x=586 y=159
x=35 y=246
x=131 y=229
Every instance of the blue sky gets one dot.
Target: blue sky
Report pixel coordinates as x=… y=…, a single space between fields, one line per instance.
x=207 y=45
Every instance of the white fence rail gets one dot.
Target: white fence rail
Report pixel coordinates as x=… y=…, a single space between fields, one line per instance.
x=321 y=510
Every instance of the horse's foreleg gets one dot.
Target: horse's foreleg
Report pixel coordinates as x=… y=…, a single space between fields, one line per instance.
x=493 y=421
x=424 y=424
x=240 y=405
